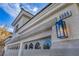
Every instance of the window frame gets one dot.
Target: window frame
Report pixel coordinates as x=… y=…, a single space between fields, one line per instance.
x=31 y=46
x=37 y=45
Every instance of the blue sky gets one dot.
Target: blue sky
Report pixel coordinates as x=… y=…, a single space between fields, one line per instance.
x=9 y=11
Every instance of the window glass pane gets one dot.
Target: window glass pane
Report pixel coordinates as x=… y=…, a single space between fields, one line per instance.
x=31 y=46
x=37 y=45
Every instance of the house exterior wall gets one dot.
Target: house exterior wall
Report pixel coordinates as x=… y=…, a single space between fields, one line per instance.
x=72 y=24
x=45 y=27
x=22 y=21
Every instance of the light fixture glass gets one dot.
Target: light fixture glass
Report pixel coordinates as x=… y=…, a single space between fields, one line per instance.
x=61 y=29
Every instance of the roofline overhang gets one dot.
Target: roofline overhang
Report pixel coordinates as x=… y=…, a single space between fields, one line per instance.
x=30 y=13
x=14 y=22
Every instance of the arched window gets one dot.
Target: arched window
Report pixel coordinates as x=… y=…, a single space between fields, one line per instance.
x=25 y=46
x=37 y=45
x=47 y=44
x=31 y=46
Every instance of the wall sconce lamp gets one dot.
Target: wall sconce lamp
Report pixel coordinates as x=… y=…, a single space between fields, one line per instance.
x=61 y=29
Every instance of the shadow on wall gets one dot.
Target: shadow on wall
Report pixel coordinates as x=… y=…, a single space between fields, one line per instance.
x=1 y=51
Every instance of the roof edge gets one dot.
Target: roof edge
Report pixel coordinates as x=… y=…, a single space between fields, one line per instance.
x=37 y=14
x=19 y=14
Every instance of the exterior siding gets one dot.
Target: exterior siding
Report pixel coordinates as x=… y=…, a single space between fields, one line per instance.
x=44 y=26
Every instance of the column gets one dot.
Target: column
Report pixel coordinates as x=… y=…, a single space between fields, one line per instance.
x=20 y=49
x=53 y=35
x=5 y=50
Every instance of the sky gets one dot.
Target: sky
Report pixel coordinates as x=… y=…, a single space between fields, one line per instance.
x=9 y=11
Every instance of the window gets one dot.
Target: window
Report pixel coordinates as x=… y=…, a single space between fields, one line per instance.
x=47 y=44
x=31 y=46
x=25 y=46
x=37 y=45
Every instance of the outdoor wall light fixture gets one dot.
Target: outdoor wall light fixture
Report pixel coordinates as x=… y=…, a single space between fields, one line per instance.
x=61 y=29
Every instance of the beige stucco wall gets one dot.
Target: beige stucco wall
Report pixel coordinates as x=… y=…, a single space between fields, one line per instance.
x=72 y=24
x=67 y=46
x=22 y=21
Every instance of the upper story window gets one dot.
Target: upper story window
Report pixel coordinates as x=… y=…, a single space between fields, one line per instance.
x=47 y=44
x=37 y=45
x=31 y=46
